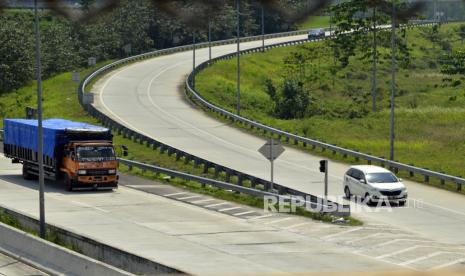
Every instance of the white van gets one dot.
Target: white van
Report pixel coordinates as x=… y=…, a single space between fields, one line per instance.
x=374 y=184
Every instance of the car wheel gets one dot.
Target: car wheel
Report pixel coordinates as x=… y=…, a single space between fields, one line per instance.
x=369 y=202
x=347 y=192
x=402 y=203
x=26 y=174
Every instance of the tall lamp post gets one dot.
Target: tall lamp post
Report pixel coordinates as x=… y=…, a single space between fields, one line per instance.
x=263 y=27
x=39 y=124
x=393 y=80
x=238 y=59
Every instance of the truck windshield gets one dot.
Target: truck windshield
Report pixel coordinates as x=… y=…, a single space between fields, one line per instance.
x=95 y=154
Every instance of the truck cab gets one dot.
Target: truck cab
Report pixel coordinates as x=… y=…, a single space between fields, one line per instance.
x=89 y=164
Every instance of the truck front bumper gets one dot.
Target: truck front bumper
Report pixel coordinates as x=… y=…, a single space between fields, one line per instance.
x=105 y=182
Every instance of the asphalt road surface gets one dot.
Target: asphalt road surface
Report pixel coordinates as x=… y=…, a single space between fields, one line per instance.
x=148 y=97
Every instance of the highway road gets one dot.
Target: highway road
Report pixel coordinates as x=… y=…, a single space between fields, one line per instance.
x=148 y=97
x=199 y=236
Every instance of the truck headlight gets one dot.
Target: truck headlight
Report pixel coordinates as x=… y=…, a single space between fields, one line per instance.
x=82 y=172
x=112 y=171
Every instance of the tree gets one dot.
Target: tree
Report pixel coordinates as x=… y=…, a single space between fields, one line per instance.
x=291 y=101
x=358 y=35
x=17 y=59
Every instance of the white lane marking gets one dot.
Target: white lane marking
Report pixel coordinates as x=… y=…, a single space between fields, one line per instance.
x=228 y=209
x=188 y=197
x=141 y=186
x=260 y=217
x=385 y=261
x=216 y=204
x=296 y=225
x=278 y=220
x=443 y=208
x=397 y=252
x=398 y=240
x=243 y=213
x=423 y=258
x=89 y=206
x=341 y=233
x=176 y=194
x=203 y=200
x=448 y=264
x=364 y=238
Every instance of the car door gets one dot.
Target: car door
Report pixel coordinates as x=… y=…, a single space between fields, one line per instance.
x=351 y=181
x=359 y=189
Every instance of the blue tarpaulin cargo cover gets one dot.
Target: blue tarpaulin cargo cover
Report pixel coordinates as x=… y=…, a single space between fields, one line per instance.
x=23 y=133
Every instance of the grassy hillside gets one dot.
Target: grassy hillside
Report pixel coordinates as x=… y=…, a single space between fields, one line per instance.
x=430 y=118
x=314 y=22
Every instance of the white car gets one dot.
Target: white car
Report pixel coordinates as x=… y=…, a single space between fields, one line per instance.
x=374 y=184
x=316 y=33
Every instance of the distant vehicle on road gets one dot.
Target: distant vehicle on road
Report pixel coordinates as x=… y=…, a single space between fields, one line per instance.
x=80 y=154
x=316 y=33
x=374 y=184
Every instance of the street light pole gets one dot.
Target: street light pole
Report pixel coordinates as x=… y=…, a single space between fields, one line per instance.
x=393 y=80
x=263 y=28
x=209 y=40
x=193 y=59
x=238 y=59
x=39 y=124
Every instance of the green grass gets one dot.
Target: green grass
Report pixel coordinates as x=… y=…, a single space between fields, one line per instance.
x=314 y=21
x=60 y=101
x=429 y=120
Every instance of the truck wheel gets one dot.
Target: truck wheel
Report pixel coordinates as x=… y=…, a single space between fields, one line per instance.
x=67 y=182
x=26 y=174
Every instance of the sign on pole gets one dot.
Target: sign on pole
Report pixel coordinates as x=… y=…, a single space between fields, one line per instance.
x=91 y=61
x=271 y=150
x=75 y=77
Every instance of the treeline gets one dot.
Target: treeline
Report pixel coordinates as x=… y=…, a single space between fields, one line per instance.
x=131 y=28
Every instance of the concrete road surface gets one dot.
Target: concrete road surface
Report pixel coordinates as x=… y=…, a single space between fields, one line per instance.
x=188 y=237
x=147 y=97
x=13 y=267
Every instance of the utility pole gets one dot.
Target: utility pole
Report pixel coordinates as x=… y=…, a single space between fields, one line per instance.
x=193 y=59
x=238 y=59
x=272 y=163
x=263 y=28
x=393 y=80
x=39 y=125
x=374 y=69
x=209 y=40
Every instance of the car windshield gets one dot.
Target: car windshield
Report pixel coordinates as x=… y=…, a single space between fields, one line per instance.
x=95 y=154
x=381 y=178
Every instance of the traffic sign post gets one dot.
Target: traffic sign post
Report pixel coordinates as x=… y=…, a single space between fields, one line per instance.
x=271 y=150
x=324 y=169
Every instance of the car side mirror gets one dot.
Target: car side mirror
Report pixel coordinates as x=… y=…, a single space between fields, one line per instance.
x=400 y=179
x=363 y=181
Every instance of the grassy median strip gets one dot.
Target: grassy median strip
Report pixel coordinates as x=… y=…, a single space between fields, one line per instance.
x=60 y=101
x=429 y=113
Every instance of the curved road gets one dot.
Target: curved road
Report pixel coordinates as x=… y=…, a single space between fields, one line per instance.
x=148 y=97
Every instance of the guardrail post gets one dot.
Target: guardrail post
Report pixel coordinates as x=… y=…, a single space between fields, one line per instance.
x=217 y=170
x=187 y=158
x=253 y=182
x=162 y=148
x=178 y=155
x=196 y=162
x=206 y=166
x=171 y=151
x=426 y=179
x=228 y=175
x=459 y=186
x=296 y=142
x=240 y=179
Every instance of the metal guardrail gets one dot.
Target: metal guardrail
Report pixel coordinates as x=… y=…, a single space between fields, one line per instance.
x=315 y=203
x=258 y=185
x=393 y=165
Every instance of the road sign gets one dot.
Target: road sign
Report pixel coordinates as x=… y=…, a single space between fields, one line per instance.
x=75 y=77
x=91 y=61
x=271 y=150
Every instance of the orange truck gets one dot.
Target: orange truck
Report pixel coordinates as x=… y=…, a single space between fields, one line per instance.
x=80 y=155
